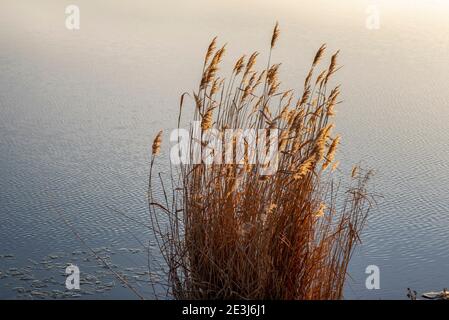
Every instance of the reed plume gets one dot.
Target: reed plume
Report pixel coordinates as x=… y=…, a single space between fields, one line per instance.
x=275 y=35
x=156 y=148
x=229 y=231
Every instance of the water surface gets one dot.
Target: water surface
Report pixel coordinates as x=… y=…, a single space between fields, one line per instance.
x=78 y=110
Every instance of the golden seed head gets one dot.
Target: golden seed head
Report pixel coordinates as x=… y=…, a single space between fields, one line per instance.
x=275 y=36
x=246 y=92
x=331 y=152
x=206 y=122
x=320 y=145
x=283 y=140
x=210 y=49
x=273 y=88
x=272 y=74
x=304 y=168
x=333 y=147
x=320 y=77
x=210 y=72
x=318 y=55
x=330 y=110
x=239 y=65
x=307 y=80
x=251 y=62
x=157 y=144
x=215 y=86
x=285 y=112
x=304 y=98
x=333 y=66
x=321 y=210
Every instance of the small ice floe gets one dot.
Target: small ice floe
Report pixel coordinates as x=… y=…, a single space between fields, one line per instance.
x=27 y=277
x=38 y=294
x=38 y=284
x=441 y=295
x=19 y=289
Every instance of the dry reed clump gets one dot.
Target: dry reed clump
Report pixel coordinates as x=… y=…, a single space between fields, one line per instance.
x=228 y=232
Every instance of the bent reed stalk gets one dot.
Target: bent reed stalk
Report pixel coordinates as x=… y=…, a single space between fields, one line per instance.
x=226 y=231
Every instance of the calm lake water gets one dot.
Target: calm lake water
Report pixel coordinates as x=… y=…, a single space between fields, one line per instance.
x=79 y=109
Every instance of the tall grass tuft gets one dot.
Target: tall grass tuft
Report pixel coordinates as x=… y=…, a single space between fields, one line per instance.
x=226 y=231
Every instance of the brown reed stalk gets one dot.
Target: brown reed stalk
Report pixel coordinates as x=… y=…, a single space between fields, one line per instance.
x=226 y=231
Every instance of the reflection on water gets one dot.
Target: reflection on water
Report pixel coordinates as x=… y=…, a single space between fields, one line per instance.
x=78 y=111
